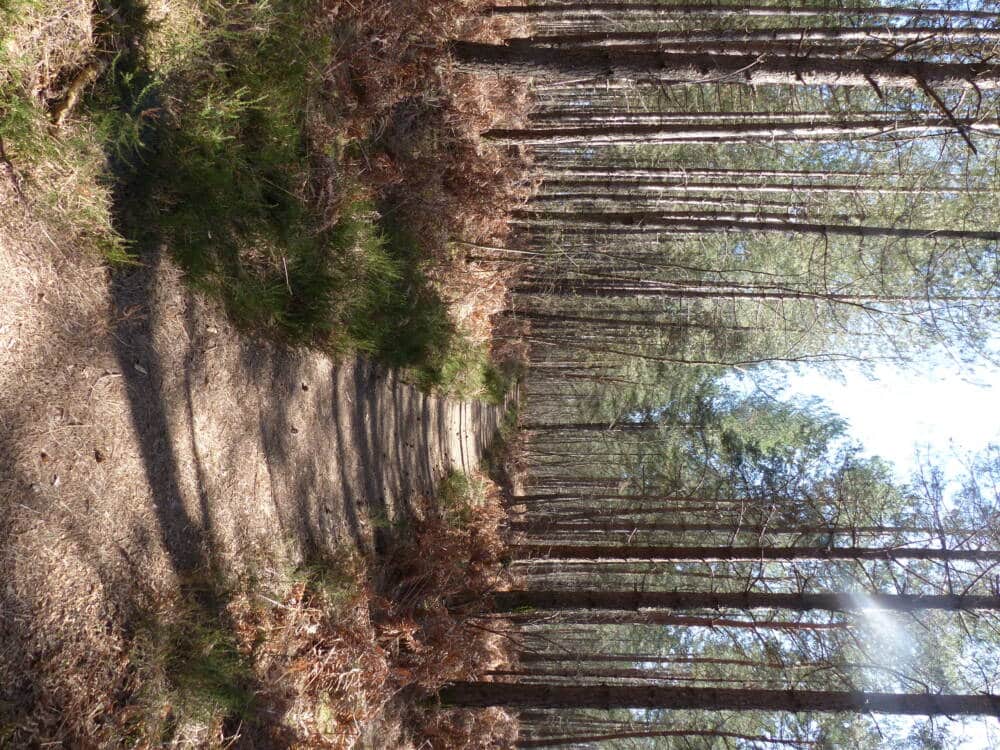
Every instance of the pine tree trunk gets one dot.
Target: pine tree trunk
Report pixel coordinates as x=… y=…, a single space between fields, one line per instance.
x=579 y=599
x=631 y=134
x=689 y=222
x=669 y=619
x=797 y=34
x=625 y=735
x=674 y=553
x=516 y=695
x=632 y=8
x=647 y=64
x=554 y=523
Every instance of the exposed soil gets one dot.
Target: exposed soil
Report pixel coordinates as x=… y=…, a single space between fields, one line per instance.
x=143 y=439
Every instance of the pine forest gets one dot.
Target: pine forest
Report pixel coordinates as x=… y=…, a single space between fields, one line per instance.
x=419 y=374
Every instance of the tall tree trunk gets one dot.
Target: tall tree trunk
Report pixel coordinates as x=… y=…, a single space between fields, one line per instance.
x=515 y=695
x=598 y=9
x=776 y=132
x=625 y=735
x=582 y=657
x=515 y=600
x=669 y=619
x=783 y=188
x=801 y=33
x=646 y=63
x=630 y=170
x=675 y=553
x=690 y=222
x=553 y=523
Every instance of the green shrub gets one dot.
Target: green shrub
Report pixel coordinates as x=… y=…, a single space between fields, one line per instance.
x=187 y=671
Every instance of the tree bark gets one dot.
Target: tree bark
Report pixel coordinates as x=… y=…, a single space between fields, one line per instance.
x=512 y=695
x=802 y=33
x=756 y=11
x=630 y=170
x=553 y=523
x=669 y=619
x=631 y=134
x=708 y=222
x=671 y=553
x=511 y=601
x=785 y=188
x=624 y=735
x=646 y=63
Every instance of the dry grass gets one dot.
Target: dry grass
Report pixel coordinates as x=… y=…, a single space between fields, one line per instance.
x=61 y=662
x=387 y=123
x=347 y=655
x=63 y=650
x=83 y=514
x=475 y=297
x=417 y=123
x=44 y=48
x=49 y=42
x=486 y=729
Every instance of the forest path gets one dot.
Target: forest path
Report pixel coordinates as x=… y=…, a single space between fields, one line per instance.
x=219 y=441
x=144 y=442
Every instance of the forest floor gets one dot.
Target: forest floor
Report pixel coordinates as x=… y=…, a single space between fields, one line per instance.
x=146 y=444
x=219 y=524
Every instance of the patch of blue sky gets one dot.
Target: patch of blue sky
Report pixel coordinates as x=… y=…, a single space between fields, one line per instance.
x=911 y=417
x=906 y=416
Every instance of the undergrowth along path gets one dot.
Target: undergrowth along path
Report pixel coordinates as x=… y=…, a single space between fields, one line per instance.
x=396 y=442
x=214 y=440
x=147 y=442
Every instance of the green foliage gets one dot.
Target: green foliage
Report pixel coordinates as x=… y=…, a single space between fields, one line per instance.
x=188 y=671
x=336 y=579
x=771 y=445
x=212 y=160
x=201 y=118
x=392 y=312
x=34 y=151
x=22 y=125
x=395 y=315
x=803 y=297
x=458 y=496
x=11 y=10
x=209 y=158
x=466 y=371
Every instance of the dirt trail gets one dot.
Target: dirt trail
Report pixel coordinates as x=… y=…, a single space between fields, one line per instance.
x=143 y=439
x=316 y=449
